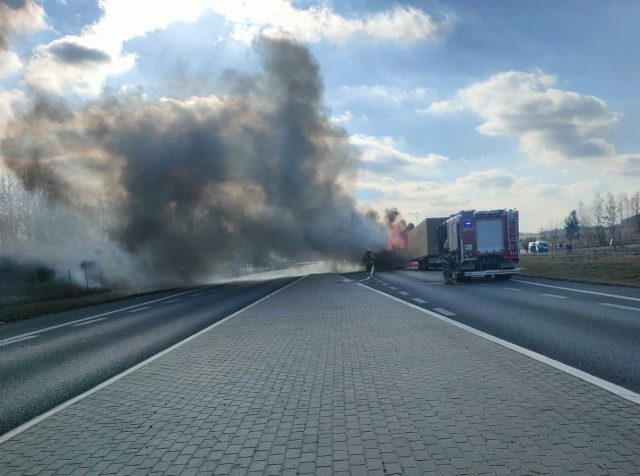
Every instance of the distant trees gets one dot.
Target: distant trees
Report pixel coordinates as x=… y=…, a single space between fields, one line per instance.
x=607 y=219
x=571 y=227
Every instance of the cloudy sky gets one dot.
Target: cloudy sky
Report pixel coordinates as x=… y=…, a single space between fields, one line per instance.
x=453 y=104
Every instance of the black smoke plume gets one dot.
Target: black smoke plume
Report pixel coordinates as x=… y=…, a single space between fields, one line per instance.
x=192 y=185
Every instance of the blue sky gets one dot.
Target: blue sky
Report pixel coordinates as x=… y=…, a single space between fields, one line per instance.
x=453 y=104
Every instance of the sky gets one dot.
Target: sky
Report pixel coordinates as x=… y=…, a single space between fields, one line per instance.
x=451 y=104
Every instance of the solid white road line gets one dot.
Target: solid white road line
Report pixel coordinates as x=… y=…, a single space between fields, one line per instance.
x=442 y=310
x=138 y=309
x=610 y=387
x=619 y=306
x=616 y=296
x=404 y=293
x=46 y=329
x=25 y=426
x=19 y=339
x=514 y=289
x=421 y=301
x=89 y=322
x=554 y=296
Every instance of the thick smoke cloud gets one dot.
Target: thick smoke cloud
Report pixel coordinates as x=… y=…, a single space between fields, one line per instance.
x=194 y=185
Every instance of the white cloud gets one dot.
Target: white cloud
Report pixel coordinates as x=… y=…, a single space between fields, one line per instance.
x=492 y=188
x=19 y=20
x=346 y=116
x=383 y=156
x=9 y=63
x=123 y=20
x=388 y=94
x=550 y=124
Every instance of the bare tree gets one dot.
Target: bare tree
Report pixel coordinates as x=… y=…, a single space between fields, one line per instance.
x=611 y=216
x=597 y=213
x=584 y=218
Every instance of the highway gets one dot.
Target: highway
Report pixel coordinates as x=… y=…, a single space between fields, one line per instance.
x=47 y=360
x=593 y=328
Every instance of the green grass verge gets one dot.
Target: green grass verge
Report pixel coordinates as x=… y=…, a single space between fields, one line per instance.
x=621 y=268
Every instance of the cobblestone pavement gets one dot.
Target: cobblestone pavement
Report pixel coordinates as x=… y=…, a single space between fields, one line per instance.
x=331 y=378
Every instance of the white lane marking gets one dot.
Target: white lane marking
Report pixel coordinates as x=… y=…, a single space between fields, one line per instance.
x=554 y=296
x=616 y=296
x=19 y=339
x=404 y=293
x=514 y=289
x=46 y=329
x=608 y=386
x=421 y=301
x=442 y=310
x=89 y=322
x=196 y=294
x=25 y=426
x=173 y=300
x=385 y=284
x=140 y=309
x=619 y=306
x=393 y=287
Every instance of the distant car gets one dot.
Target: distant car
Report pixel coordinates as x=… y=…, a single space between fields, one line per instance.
x=531 y=247
x=542 y=246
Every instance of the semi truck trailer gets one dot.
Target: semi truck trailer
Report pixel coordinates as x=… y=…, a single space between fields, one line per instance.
x=424 y=246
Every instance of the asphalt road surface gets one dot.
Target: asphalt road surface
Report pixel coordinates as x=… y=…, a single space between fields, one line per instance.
x=590 y=327
x=47 y=360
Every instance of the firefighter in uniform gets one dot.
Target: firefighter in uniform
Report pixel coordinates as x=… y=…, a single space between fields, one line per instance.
x=448 y=264
x=369 y=261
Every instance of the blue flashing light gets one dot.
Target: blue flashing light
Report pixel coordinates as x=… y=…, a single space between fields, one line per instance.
x=468 y=224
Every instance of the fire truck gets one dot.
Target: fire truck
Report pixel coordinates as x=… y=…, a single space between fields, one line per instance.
x=480 y=243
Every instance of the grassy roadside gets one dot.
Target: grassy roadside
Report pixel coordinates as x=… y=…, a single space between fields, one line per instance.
x=595 y=268
x=27 y=310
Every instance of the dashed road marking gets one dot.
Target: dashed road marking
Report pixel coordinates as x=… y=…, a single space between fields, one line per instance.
x=616 y=296
x=89 y=322
x=404 y=293
x=557 y=296
x=39 y=331
x=610 y=387
x=173 y=300
x=25 y=426
x=514 y=289
x=442 y=310
x=385 y=284
x=421 y=301
x=196 y=294
x=140 y=309
x=393 y=287
x=619 y=306
x=16 y=339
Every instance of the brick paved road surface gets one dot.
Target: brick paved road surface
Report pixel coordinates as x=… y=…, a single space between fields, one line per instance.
x=330 y=378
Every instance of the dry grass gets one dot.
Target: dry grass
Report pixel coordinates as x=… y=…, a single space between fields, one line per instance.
x=622 y=268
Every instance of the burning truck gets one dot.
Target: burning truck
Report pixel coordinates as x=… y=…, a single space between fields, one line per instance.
x=473 y=243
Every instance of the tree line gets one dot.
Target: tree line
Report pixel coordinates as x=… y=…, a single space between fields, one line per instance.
x=608 y=220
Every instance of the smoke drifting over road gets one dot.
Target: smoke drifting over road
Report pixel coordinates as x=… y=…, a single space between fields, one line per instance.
x=188 y=186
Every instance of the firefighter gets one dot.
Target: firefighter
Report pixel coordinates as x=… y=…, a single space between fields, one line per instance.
x=448 y=264
x=369 y=261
